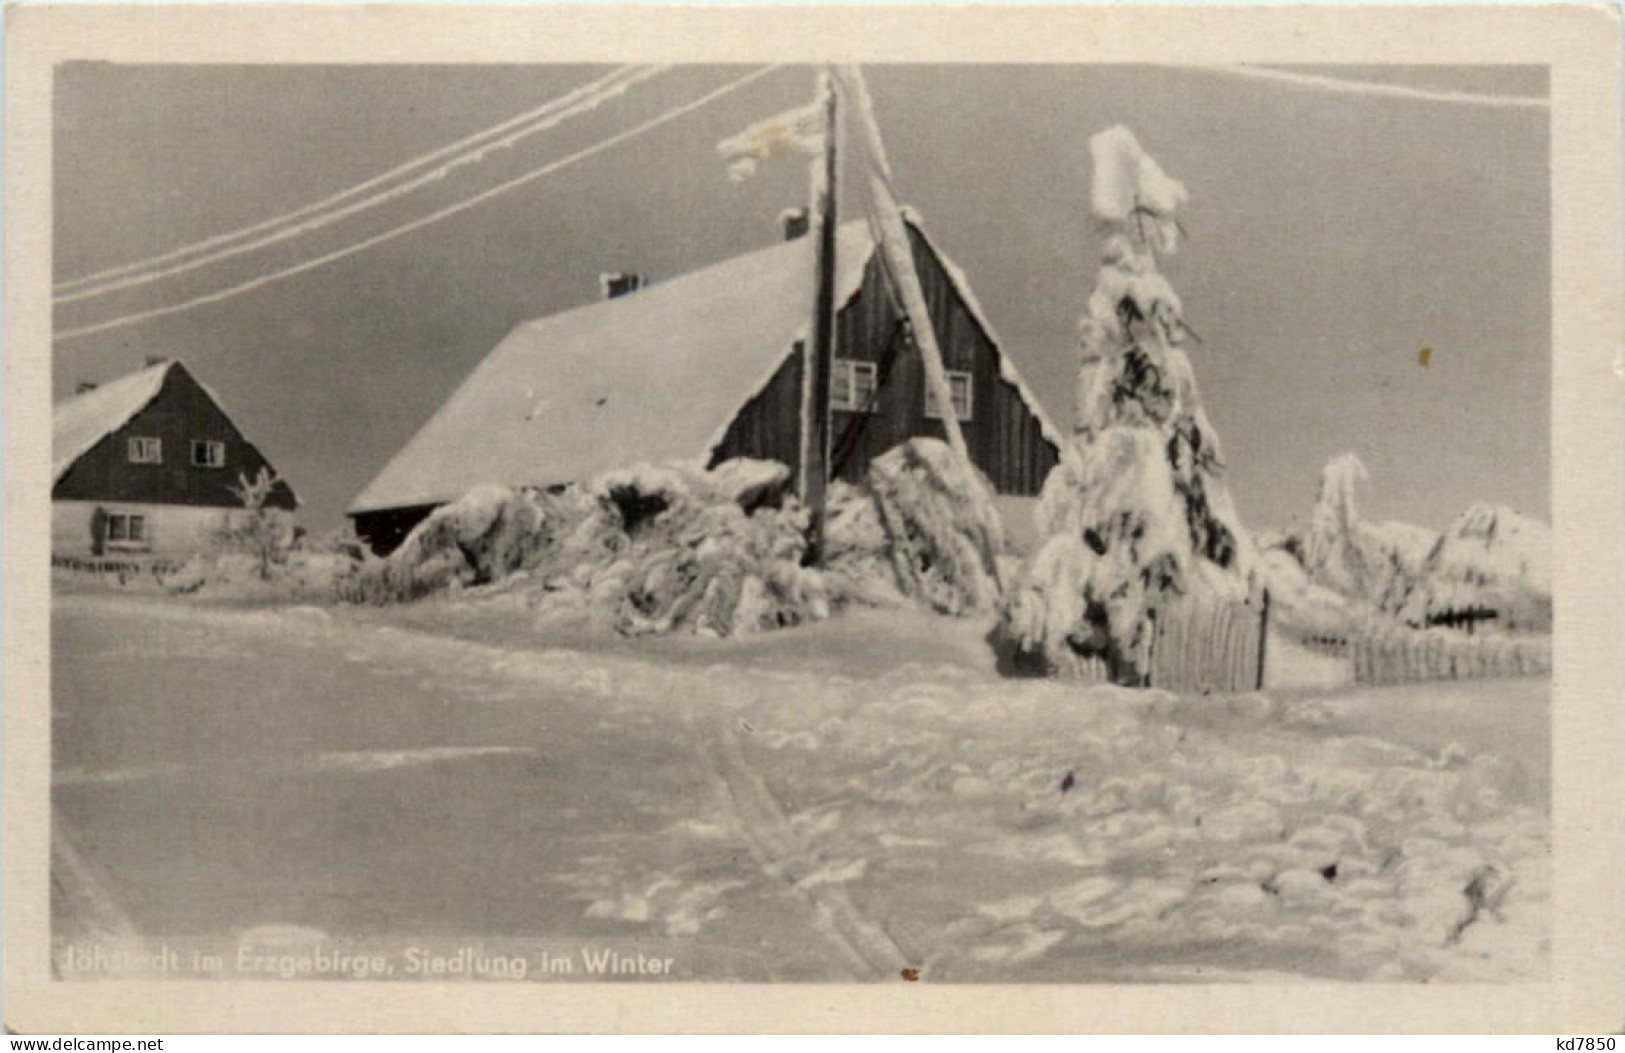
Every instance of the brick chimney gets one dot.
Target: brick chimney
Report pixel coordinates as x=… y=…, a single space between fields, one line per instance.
x=619 y=283
x=84 y=386
x=795 y=223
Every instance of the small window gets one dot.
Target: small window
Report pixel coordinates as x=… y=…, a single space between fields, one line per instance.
x=852 y=385
x=146 y=451
x=208 y=454
x=126 y=531
x=960 y=385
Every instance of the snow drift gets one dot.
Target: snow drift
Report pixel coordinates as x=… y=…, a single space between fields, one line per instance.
x=1298 y=604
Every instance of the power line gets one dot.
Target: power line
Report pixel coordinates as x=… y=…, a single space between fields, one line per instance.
x=342 y=195
x=292 y=224
x=433 y=217
x=1350 y=86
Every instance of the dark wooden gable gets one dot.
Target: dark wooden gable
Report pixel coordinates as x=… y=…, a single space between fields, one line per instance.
x=1004 y=437
x=181 y=412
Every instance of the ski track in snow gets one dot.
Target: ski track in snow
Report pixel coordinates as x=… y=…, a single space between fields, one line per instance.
x=783 y=854
x=88 y=900
x=1196 y=844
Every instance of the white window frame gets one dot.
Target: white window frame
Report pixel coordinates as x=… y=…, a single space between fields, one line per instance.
x=964 y=412
x=134 y=526
x=145 y=449
x=210 y=448
x=850 y=369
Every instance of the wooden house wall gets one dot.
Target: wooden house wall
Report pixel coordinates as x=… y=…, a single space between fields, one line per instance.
x=1003 y=437
x=384 y=530
x=769 y=427
x=181 y=411
x=79 y=529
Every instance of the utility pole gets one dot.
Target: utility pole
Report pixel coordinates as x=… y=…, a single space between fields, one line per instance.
x=894 y=243
x=817 y=362
x=898 y=251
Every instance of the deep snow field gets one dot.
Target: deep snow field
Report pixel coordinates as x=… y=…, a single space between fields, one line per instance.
x=842 y=801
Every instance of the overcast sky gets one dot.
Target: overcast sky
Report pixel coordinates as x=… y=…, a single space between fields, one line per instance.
x=1333 y=236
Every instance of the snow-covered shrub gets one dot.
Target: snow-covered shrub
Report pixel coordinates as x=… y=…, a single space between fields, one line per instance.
x=923 y=527
x=654 y=549
x=1492 y=563
x=216 y=569
x=939 y=528
x=696 y=560
x=317 y=575
x=485 y=537
x=1373 y=564
x=481 y=538
x=1491 y=569
x=1050 y=617
x=249 y=551
x=308 y=570
x=645 y=549
x=857 y=555
x=1120 y=538
x=263 y=533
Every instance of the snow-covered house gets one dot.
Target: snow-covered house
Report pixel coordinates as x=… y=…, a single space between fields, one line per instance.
x=707 y=366
x=144 y=466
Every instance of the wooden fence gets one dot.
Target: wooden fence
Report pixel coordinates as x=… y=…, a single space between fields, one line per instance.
x=1202 y=645
x=102 y=568
x=1444 y=654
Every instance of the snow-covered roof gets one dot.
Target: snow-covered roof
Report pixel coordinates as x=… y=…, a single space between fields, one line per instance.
x=1406 y=543
x=1492 y=559
x=82 y=421
x=655 y=375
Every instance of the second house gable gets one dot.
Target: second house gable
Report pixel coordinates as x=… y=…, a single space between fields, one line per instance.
x=181 y=449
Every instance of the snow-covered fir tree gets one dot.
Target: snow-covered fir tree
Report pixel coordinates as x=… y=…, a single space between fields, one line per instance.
x=1331 y=550
x=1137 y=511
x=1374 y=564
x=1342 y=571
